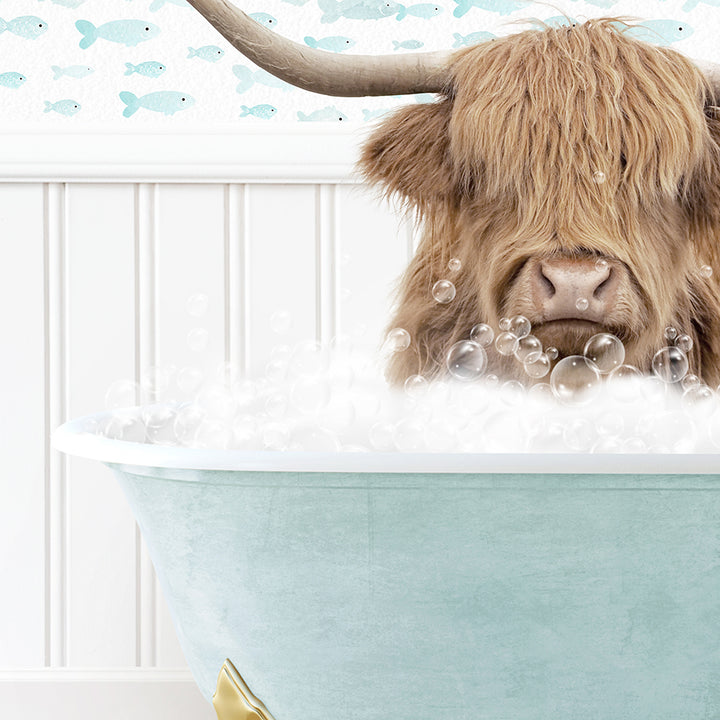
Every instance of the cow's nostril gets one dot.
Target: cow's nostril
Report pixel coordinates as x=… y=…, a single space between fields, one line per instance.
x=603 y=287
x=546 y=283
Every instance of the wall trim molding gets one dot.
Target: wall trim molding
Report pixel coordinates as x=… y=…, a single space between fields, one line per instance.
x=290 y=153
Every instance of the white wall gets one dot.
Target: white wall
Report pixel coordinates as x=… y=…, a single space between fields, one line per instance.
x=103 y=239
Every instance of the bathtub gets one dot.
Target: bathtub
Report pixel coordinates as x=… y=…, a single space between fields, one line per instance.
x=413 y=587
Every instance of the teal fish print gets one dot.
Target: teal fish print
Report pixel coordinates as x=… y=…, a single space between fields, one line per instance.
x=296 y=2
x=125 y=32
x=327 y=113
x=12 y=80
x=358 y=9
x=155 y=5
x=501 y=7
x=555 y=21
x=27 y=26
x=264 y=19
x=64 y=107
x=373 y=114
x=249 y=77
x=658 y=32
x=72 y=4
x=421 y=10
x=211 y=53
x=73 y=71
x=265 y=112
x=166 y=101
x=150 y=69
x=692 y=4
x=425 y=97
x=407 y=44
x=474 y=38
x=336 y=43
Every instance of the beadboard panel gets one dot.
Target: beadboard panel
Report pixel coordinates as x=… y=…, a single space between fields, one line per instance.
x=103 y=264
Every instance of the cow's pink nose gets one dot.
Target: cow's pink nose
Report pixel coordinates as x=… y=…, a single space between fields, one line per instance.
x=583 y=288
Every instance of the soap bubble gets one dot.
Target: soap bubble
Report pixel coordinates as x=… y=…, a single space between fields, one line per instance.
x=454 y=265
x=416 y=386
x=155 y=381
x=606 y=351
x=598 y=177
x=197 y=304
x=579 y=434
x=312 y=439
x=513 y=392
x=275 y=436
x=245 y=433
x=159 y=424
x=189 y=379
x=310 y=394
x=492 y=380
x=706 y=271
x=482 y=334
x=539 y=367
x=601 y=265
x=575 y=380
x=689 y=381
x=381 y=436
x=227 y=373
x=187 y=421
x=684 y=342
x=197 y=339
x=552 y=353
x=506 y=343
x=281 y=322
x=542 y=392
x=670 y=333
x=276 y=404
x=582 y=304
x=397 y=340
x=217 y=401
x=713 y=429
x=529 y=349
x=610 y=424
x=466 y=360
x=408 y=435
x=310 y=358
x=338 y=414
x=277 y=370
x=213 y=434
x=504 y=324
x=121 y=394
x=670 y=364
x=443 y=291
x=700 y=401
x=125 y=426
x=519 y=326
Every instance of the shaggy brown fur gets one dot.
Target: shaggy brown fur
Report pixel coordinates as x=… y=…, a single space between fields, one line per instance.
x=501 y=174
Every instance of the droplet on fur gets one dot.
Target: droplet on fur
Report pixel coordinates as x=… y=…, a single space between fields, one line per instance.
x=454 y=265
x=670 y=364
x=397 y=340
x=606 y=351
x=575 y=380
x=443 y=291
x=520 y=326
x=552 y=353
x=706 y=271
x=601 y=265
x=582 y=304
x=684 y=342
x=506 y=343
x=670 y=333
x=599 y=177
x=504 y=324
x=466 y=360
x=482 y=334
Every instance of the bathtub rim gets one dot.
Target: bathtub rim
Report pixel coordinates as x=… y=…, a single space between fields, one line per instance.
x=71 y=438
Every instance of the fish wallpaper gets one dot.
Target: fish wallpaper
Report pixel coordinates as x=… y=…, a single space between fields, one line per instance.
x=124 y=63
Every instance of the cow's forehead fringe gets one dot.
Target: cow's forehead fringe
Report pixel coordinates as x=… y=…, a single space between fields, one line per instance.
x=542 y=112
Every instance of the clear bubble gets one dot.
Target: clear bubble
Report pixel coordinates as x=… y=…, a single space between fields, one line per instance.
x=281 y=322
x=513 y=392
x=310 y=358
x=310 y=394
x=706 y=271
x=541 y=391
x=713 y=429
x=552 y=353
x=670 y=333
x=154 y=382
x=338 y=415
x=159 y=423
x=607 y=445
x=245 y=433
x=700 y=401
x=575 y=380
x=598 y=177
x=539 y=367
x=122 y=394
x=492 y=380
x=482 y=334
x=439 y=435
x=125 y=426
x=520 y=326
x=689 y=381
x=197 y=339
x=610 y=424
x=214 y=434
x=217 y=401
x=601 y=265
x=276 y=405
x=529 y=349
x=466 y=360
x=314 y=439
x=381 y=436
x=409 y=435
x=505 y=324
x=606 y=351
x=670 y=364
x=227 y=373
x=582 y=304
x=187 y=421
x=197 y=304
x=506 y=343
x=454 y=265
x=276 y=370
x=246 y=393
x=443 y=291
x=416 y=386
x=684 y=342
x=579 y=435
x=397 y=340
x=189 y=379
x=275 y=436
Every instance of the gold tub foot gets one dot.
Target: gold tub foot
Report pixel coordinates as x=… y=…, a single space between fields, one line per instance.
x=233 y=699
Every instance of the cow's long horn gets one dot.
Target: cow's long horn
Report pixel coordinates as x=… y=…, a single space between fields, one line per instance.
x=325 y=72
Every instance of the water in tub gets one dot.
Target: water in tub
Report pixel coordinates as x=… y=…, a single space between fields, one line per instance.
x=334 y=397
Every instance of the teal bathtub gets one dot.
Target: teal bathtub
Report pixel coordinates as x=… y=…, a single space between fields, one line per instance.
x=412 y=587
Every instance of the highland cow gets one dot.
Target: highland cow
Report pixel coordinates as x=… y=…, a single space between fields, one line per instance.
x=547 y=151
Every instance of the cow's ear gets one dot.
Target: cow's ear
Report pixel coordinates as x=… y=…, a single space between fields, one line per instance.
x=409 y=154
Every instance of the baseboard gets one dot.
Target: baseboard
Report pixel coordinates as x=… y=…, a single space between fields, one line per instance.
x=140 y=694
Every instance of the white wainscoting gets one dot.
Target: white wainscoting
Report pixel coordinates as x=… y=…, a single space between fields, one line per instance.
x=103 y=238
